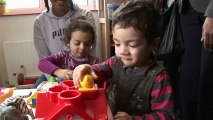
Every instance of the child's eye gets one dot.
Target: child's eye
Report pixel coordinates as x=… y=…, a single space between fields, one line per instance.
x=117 y=45
x=133 y=44
x=76 y=43
x=88 y=44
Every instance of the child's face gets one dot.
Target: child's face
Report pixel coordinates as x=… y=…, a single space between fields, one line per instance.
x=80 y=44
x=131 y=46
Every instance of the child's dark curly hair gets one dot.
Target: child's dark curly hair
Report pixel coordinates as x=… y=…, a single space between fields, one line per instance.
x=143 y=15
x=79 y=24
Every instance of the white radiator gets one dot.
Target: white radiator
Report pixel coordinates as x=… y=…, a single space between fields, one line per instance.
x=20 y=57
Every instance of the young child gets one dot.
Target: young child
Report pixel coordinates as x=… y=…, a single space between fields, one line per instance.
x=80 y=36
x=139 y=88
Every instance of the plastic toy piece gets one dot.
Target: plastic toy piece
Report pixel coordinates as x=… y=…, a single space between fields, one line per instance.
x=87 y=83
x=19 y=103
x=7 y=94
x=52 y=79
x=32 y=100
x=68 y=103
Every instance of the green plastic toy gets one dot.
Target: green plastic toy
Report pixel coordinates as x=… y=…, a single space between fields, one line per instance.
x=52 y=79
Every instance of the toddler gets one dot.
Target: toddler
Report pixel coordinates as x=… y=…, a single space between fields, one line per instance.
x=139 y=88
x=79 y=36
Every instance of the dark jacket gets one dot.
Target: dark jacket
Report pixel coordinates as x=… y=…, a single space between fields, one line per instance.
x=203 y=6
x=131 y=96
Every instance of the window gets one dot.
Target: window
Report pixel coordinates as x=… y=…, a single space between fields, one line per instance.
x=19 y=7
x=86 y=4
x=24 y=4
x=81 y=2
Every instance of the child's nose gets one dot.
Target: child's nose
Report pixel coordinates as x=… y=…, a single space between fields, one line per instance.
x=123 y=50
x=82 y=46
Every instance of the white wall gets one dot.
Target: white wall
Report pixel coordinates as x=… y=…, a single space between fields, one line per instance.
x=15 y=28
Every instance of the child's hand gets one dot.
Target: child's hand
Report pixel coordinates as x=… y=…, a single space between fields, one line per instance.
x=122 y=116
x=63 y=73
x=79 y=73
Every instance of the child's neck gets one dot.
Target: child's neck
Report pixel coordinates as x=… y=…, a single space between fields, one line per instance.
x=145 y=65
x=80 y=59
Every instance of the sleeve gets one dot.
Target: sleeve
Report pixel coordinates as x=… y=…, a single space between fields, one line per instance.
x=90 y=17
x=162 y=102
x=209 y=10
x=95 y=61
x=51 y=63
x=104 y=69
x=39 y=41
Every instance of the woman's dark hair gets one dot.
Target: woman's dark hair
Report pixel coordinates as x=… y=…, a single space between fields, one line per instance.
x=143 y=15
x=79 y=24
x=48 y=8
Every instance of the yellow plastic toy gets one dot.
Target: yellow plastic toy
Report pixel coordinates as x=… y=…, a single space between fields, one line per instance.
x=6 y=95
x=87 y=83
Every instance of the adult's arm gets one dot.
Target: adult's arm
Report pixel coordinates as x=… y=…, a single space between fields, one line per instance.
x=209 y=9
x=90 y=17
x=39 y=41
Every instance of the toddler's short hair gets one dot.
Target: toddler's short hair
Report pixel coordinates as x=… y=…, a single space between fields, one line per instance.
x=143 y=15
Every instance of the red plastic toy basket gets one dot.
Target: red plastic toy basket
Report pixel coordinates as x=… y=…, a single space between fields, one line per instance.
x=67 y=103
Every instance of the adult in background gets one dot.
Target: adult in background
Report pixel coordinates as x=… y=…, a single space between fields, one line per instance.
x=205 y=99
x=197 y=61
x=49 y=28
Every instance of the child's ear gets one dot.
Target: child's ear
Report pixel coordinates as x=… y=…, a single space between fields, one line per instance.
x=155 y=43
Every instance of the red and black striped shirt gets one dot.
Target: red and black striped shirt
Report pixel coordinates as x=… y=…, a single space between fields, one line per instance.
x=162 y=103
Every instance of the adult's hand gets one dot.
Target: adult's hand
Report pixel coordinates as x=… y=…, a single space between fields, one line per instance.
x=207 y=35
